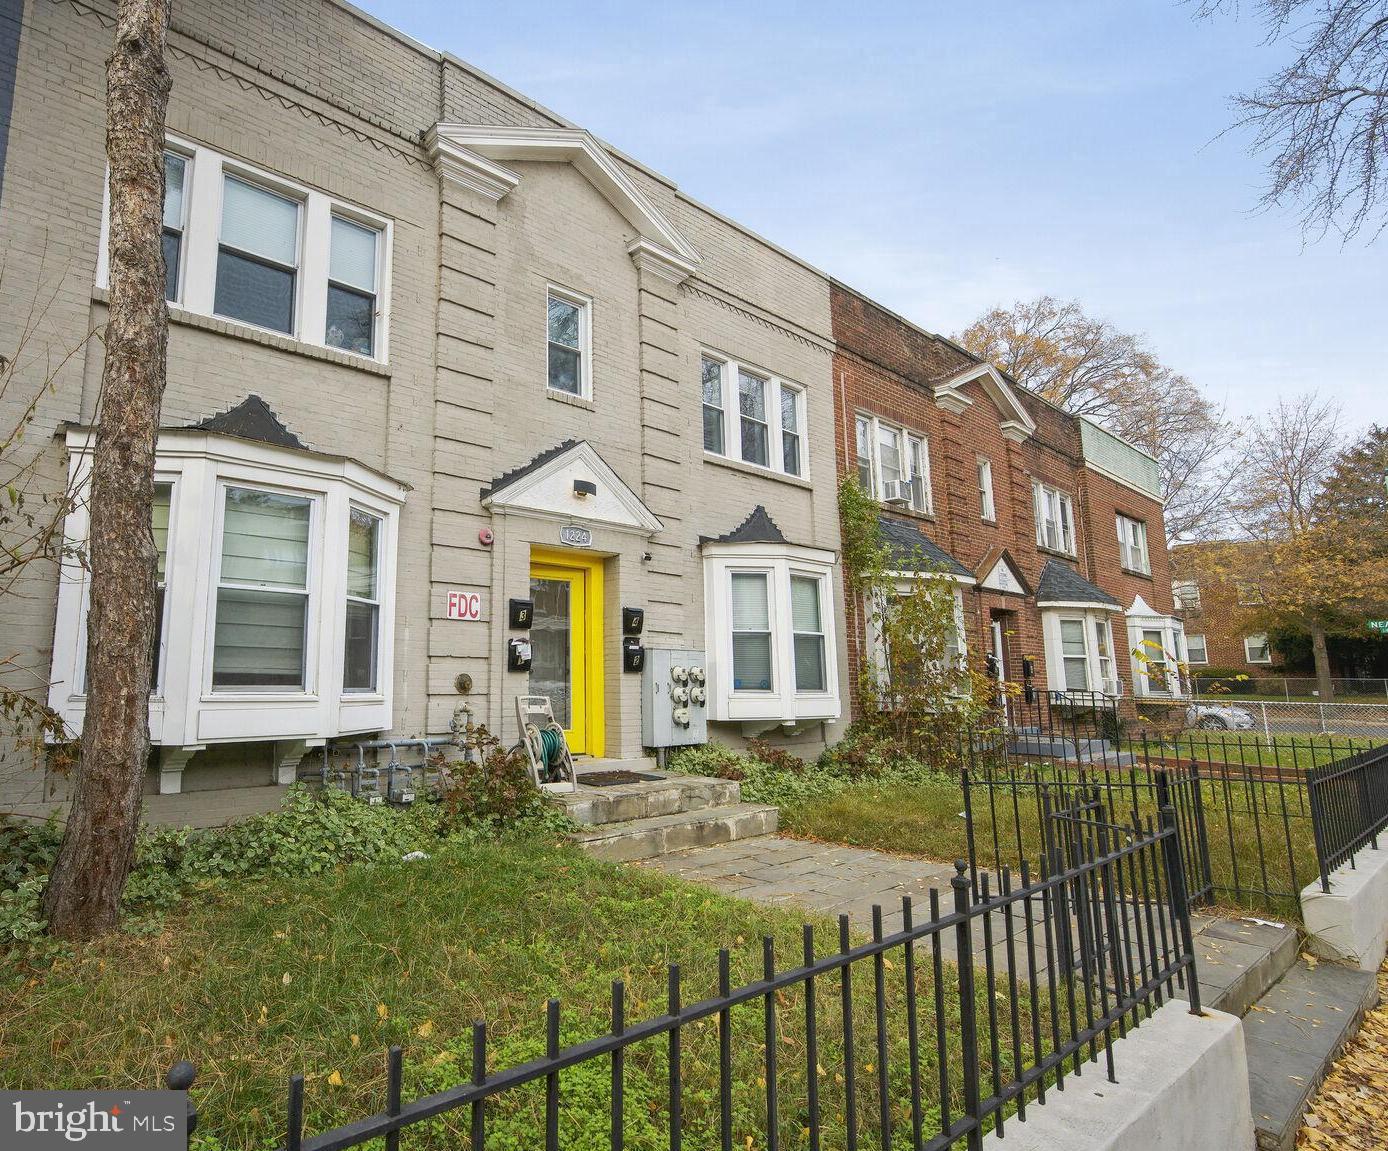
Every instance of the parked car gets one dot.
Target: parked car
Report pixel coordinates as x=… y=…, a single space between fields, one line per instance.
x=1219 y=717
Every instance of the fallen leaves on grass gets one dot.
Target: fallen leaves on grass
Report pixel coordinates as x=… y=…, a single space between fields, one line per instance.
x=1348 y=1113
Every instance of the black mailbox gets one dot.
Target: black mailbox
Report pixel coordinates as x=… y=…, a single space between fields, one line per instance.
x=522 y=612
x=633 y=620
x=633 y=655
x=518 y=655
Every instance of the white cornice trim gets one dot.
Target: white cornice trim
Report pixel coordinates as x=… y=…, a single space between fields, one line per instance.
x=468 y=168
x=512 y=498
x=956 y=403
x=581 y=149
x=649 y=257
x=1017 y=424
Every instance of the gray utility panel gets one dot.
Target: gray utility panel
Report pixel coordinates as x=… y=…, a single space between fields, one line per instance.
x=674 y=698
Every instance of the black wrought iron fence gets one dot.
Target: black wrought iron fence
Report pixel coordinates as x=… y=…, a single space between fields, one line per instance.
x=1349 y=807
x=939 y=1031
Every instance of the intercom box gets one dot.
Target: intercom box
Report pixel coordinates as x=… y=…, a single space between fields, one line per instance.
x=674 y=697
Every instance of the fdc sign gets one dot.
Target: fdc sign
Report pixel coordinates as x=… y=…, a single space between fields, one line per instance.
x=465 y=605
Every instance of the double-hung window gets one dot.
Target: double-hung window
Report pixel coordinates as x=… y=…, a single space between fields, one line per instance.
x=175 y=220
x=752 y=416
x=363 y=601
x=1197 y=651
x=986 y=507
x=751 y=627
x=1256 y=648
x=1132 y=545
x=808 y=627
x=1103 y=647
x=257 y=255
x=711 y=373
x=570 y=341
x=1074 y=651
x=352 y=289
x=1186 y=593
x=261 y=630
x=1055 y=519
x=159 y=522
x=893 y=464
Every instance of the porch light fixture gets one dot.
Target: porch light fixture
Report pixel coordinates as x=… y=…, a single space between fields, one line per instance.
x=584 y=488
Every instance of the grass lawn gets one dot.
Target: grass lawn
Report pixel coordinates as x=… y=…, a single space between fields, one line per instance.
x=257 y=981
x=925 y=819
x=1253 y=749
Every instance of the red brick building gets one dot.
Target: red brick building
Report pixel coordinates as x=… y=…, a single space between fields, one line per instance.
x=1217 y=637
x=1050 y=526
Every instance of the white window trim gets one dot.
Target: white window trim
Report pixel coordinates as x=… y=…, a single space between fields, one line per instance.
x=1090 y=618
x=202 y=213
x=1266 y=645
x=1173 y=647
x=200 y=465
x=584 y=304
x=1043 y=493
x=1126 y=548
x=904 y=436
x=988 y=503
x=1186 y=602
x=904 y=583
x=375 y=601
x=732 y=415
x=1204 y=646
x=783 y=703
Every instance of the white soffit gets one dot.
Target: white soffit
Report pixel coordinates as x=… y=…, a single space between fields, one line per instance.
x=474 y=153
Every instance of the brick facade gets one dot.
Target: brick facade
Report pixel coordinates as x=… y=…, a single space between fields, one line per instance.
x=886 y=367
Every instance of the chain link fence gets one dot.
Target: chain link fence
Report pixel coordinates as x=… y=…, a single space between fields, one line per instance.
x=1289 y=689
x=1268 y=717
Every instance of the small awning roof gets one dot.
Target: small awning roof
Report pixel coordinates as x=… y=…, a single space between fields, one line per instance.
x=1060 y=584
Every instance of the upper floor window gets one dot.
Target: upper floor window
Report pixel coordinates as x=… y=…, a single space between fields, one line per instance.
x=769 y=428
x=570 y=344
x=986 y=507
x=893 y=464
x=1055 y=519
x=1186 y=593
x=246 y=245
x=1132 y=545
x=175 y=220
x=257 y=256
x=1256 y=648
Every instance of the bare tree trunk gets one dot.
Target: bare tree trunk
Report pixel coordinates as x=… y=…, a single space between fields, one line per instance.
x=1324 y=684
x=83 y=896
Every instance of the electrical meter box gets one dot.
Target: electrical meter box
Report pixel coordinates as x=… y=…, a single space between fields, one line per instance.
x=674 y=698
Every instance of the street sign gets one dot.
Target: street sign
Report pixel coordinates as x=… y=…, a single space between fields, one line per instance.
x=1379 y=625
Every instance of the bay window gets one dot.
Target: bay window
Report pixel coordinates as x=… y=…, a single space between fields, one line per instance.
x=768 y=430
x=1132 y=545
x=275 y=587
x=770 y=633
x=1078 y=642
x=1055 y=519
x=1158 y=644
x=893 y=464
x=250 y=247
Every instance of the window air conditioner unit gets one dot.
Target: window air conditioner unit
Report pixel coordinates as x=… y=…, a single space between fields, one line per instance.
x=896 y=492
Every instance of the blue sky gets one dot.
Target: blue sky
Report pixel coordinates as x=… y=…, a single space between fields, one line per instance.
x=947 y=157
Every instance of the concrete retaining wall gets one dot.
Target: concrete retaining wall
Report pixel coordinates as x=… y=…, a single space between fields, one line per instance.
x=1182 y=1086
x=1350 y=921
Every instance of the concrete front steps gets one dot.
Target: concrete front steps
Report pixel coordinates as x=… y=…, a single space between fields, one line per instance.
x=659 y=815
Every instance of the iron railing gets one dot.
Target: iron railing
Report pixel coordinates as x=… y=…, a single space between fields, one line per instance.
x=1349 y=807
x=972 y=1016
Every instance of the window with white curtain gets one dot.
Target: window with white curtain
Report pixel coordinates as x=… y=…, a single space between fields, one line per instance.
x=258 y=256
x=1074 y=650
x=808 y=627
x=363 y=601
x=770 y=425
x=248 y=246
x=262 y=591
x=769 y=630
x=751 y=617
x=1132 y=545
x=352 y=287
x=1055 y=519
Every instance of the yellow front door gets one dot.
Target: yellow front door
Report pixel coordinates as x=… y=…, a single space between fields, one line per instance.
x=566 y=645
